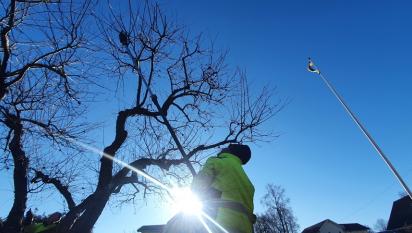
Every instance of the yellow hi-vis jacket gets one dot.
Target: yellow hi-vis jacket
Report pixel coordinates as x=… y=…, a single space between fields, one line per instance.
x=223 y=178
x=39 y=227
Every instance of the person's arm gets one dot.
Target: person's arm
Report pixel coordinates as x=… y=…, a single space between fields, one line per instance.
x=204 y=179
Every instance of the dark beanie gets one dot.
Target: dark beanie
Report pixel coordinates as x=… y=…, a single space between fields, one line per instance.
x=241 y=151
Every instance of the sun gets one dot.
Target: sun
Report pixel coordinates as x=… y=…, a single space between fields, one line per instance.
x=185 y=201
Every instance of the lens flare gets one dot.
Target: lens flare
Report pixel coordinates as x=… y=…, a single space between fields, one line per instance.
x=214 y=222
x=204 y=224
x=185 y=200
x=120 y=162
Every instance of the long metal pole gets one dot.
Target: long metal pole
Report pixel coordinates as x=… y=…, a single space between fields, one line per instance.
x=366 y=133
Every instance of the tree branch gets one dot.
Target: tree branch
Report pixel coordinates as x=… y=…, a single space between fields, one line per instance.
x=5 y=39
x=64 y=190
x=141 y=164
x=106 y=167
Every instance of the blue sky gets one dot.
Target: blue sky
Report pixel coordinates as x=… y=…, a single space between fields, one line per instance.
x=322 y=160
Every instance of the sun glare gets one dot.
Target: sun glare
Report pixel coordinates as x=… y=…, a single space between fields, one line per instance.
x=185 y=201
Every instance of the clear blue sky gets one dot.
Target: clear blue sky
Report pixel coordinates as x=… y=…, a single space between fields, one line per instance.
x=326 y=166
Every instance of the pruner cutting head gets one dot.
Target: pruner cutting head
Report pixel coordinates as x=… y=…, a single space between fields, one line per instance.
x=312 y=67
x=124 y=38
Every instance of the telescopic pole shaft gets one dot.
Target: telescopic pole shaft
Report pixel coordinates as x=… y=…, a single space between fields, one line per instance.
x=368 y=136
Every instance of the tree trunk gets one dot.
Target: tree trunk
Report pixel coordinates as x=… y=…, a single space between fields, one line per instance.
x=86 y=221
x=96 y=202
x=281 y=219
x=14 y=220
x=70 y=218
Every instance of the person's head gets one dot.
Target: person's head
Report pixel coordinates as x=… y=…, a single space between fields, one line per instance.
x=241 y=151
x=28 y=219
x=53 y=218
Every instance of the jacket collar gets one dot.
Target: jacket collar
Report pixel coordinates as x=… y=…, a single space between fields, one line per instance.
x=230 y=156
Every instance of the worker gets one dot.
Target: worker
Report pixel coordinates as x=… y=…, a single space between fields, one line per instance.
x=226 y=190
x=226 y=193
x=46 y=225
x=29 y=218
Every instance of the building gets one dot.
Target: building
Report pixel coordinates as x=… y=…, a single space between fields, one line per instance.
x=151 y=229
x=329 y=226
x=354 y=228
x=400 y=220
x=401 y=214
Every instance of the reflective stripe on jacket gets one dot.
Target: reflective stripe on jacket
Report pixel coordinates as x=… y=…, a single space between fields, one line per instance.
x=223 y=178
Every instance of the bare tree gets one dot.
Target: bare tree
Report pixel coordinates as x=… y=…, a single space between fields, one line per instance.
x=184 y=95
x=41 y=45
x=380 y=225
x=278 y=216
x=186 y=103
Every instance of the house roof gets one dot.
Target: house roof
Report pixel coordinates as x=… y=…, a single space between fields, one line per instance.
x=346 y=227
x=151 y=228
x=354 y=227
x=401 y=214
x=315 y=228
